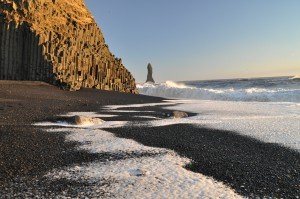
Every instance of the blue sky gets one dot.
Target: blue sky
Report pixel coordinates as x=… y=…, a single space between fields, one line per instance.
x=202 y=39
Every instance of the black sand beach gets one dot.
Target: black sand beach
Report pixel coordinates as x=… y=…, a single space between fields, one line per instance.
x=27 y=153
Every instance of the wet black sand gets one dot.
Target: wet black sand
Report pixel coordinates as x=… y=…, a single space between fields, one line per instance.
x=252 y=168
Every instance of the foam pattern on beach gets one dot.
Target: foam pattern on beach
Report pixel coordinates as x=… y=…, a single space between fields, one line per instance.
x=137 y=171
x=158 y=175
x=270 y=122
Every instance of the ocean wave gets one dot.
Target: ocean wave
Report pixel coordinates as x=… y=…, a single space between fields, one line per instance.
x=296 y=77
x=171 y=89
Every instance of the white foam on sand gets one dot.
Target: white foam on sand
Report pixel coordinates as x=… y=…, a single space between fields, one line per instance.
x=271 y=122
x=158 y=176
x=88 y=114
x=113 y=108
x=108 y=124
x=108 y=109
x=147 y=117
x=162 y=175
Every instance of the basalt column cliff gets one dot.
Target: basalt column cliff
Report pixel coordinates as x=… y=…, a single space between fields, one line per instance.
x=57 y=41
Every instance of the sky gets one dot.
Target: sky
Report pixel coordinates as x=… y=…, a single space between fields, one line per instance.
x=202 y=39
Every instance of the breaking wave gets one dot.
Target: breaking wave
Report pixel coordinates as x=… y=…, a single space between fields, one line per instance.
x=171 y=89
x=296 y=77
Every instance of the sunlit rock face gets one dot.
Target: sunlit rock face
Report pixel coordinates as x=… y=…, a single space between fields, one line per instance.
x=58 y=41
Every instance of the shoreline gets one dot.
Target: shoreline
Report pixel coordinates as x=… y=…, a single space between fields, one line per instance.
x=28 y=152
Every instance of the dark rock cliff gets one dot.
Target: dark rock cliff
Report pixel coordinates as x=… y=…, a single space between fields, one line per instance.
x=57 y=41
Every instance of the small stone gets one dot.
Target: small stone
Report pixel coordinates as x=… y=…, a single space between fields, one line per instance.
x=138 y=172
x=180 y=114
x=83 y=120
x=175 y=114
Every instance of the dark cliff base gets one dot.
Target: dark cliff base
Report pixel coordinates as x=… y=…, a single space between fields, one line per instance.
x=27 y=152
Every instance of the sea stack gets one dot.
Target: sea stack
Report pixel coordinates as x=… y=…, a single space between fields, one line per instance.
x=58 y=41
x=149 y=75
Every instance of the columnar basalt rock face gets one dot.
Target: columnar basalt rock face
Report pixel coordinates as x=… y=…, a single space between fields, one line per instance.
x=57 y=40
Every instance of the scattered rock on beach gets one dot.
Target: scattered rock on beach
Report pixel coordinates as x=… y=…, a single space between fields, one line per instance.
x=179 y=114
x=138 y=172
x=176 y=114
x=83 y=120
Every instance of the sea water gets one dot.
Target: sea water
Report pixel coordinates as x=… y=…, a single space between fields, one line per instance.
x=274 y=89
x=267 y=109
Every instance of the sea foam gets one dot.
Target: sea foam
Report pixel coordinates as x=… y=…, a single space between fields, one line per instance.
x=161 y=175
x=228 y=92
x=270 y=122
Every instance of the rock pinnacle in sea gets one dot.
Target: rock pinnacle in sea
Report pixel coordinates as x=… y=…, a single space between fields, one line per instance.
x=149 y=75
